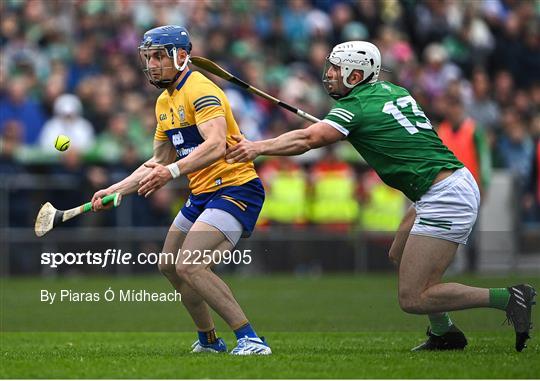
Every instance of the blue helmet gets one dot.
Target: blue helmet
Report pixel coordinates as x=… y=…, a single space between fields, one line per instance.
x=168 y=38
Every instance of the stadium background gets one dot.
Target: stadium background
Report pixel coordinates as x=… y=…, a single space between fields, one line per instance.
x=325 y=213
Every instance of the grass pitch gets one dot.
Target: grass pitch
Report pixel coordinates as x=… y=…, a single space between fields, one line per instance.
x=328 y=327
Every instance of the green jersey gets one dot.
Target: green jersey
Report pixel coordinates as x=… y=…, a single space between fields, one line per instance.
x=389 y=129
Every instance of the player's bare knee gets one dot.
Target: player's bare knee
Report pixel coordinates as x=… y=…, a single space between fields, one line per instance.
x=409 y=301
x=181 y=270
x=167 y=269
x=410 y=306
x=166 y=265
x=186 y=271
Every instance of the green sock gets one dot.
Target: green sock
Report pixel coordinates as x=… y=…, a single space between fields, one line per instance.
x=498 y=298
x=440 y=323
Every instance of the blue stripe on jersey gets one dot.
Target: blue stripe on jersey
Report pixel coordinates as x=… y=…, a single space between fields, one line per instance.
x=206 y=104
x=197 y=102
x=185 y=139
x=183 y=80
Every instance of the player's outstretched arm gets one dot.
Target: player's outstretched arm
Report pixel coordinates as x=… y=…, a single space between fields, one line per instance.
x=288 y=144
x=214 y=133
x=164 y=153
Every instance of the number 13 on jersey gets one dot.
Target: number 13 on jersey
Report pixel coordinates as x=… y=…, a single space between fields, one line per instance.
x=391 y=109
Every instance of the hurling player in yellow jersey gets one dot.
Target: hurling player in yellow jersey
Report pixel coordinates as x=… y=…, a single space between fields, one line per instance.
x=194 y=125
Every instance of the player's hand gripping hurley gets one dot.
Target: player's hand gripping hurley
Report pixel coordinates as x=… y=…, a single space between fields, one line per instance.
x=215 y=69
x=49 y=217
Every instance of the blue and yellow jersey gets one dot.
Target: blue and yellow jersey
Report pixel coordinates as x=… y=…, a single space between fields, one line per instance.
x=195 y=101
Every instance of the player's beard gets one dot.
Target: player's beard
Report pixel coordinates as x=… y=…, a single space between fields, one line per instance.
x=331 y=86
x=335 y=89
x=160 y=82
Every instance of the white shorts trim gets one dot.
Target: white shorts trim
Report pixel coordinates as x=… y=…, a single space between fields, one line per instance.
x=448 y=210
x=225 y=222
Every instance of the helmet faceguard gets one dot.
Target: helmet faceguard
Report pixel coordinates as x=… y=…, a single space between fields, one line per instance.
x=331 y=85
x=160 y=81
x=164 y=42
x=350 y=56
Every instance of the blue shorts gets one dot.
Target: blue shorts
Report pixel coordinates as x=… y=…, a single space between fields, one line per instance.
x=244 y=202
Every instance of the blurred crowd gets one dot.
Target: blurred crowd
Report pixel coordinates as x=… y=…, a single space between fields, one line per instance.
x=72 y=67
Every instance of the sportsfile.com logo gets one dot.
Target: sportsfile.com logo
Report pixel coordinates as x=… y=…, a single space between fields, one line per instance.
x=118 y=257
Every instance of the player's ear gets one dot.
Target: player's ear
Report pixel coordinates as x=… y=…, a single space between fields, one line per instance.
x=181 y=55
x=356 y=77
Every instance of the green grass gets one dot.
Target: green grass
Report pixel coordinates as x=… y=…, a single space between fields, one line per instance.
x=328 y=327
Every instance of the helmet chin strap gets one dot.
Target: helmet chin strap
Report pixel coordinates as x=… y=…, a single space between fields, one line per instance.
x=348 y=85
x=345 y=76
x=175 y=60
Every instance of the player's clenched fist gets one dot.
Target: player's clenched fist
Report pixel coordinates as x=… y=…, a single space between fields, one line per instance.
x=159 y=176
x=242 y=152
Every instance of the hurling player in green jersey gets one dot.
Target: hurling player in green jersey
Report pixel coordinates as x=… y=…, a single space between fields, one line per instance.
x=389 y=129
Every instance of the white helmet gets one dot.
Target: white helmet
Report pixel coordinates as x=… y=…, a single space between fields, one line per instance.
x=357 y=55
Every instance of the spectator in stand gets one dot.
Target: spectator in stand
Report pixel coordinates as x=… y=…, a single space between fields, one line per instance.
x=102 y=98
x=52 y=89
x=438 y=72
x=296 y=26
x=286 y=186
x=471 y=40
x=111 y=145
x=19 y=210
x=534 y=92
x=342 y=14
x=431 y=22
x=517 y=43
x=531 y=54
x=17 y=105
x=481 y=107
x=504 y=89
x=10 y=141
x=531 y=201
x=68 y=121
x=394 y=48
x=84 y=65
x=141 y=125
x=515 y=147
x=333 y=184
x=467 y=140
